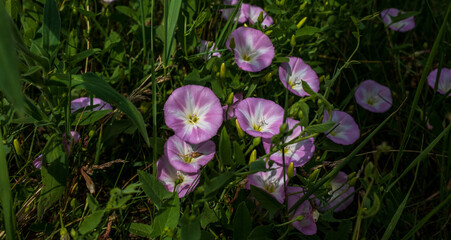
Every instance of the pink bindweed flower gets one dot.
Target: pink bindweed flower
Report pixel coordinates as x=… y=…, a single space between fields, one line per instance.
x=444 y=83
x=74 y=136
x=295 y=71
x=230 y=2
x=271 y=181
x=204 y=48
x=37 y=162
x=259 y=117
x=253 y=49
x=298 y=153
x=373 y=96
x=194 y=113
x=345 y=131
x=341 y=194
x=254 y=13
x=86 y=102
x=400 y=26
x=229 y=111
x=174 y=180
x=188 y=157
x=307 y=225
x=241 y=15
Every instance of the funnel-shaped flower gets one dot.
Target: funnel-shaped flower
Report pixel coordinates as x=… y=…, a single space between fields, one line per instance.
x=188 y=157
x=74 y=139
x=345 y=131
x=270 y=181
x=86 y=102
x=307 y=225
x=253 y=49
x=204 y=48
x=298 y=153
x=341 y=194
x=444 y=83
x=373 y=96
x=254 y=13
x=194 y=113
x=241 y=15
x=259 y=117
x=37 y=162
x=404 y=25
x=181 y=182
x=295 y=71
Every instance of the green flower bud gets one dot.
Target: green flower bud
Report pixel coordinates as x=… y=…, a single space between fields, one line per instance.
x=256 y=141
x=283 y=128
x=268 y=32
x=223 y=71
x=301 y=23
x=17 y=147
x=293 y=41
x=253 y=156
x=230 y=99
x=353 y=181
x=290 y=171
x=303 y=5
x=73 y=233
x=260 y=17
x=314 y=175
x=238 y=129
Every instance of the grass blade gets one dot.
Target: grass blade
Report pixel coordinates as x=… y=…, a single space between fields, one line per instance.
x=9 y=70
x=170 y=23
x=5 y=194
x=52 y=26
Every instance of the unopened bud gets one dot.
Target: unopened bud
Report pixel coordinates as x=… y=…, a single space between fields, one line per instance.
x=293 y=41
x=238 y=129
x=230 y=99
x=245 y=25
x=303 y=5
x=268 y=32
x=301 y=23
x=73 y=233
x=369 y=169
x=17 y=147
x=260 y=17
x=64 y=234
x=300 y=115
x=268 y=77
x=253 y=156
x=353 y=181
x=232 y=43
x=283 y=128
x=314 y=175
x=223 y=71
x=290 y=171
x=256 y=141
x=351 y=176
x=91 y=133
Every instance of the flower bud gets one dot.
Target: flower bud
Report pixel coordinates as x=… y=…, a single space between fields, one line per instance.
x=351 y=176
x=260 y=17
x=268 y=77
x=238 y=129
x=245 y=25
x=290 y=171
x=253 y=156
x=303 y=5
x=17 y=147
x=293 y=41
x=232 y=43
x=283 y=128
x=230 y=99
x=256 y=141
x=268 y=32
x=64 y=234
x=73 y=233
x=301 y=23
x=300 y=115
x=314 y=175
x=353 y=181
x=223 y=71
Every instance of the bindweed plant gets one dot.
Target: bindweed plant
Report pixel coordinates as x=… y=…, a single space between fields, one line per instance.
x=234 y=119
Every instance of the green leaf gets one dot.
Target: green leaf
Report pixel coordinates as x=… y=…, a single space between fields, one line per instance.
x=242 y=222
x=54 y=174
x=190 y=227
x=91 y=222
x=52 y=26
x=267 y=200
x=261 y=232
x=307 y=31
x=217 y=89
x=194 y=78
x=153 y=188
x=218 y=182
x=168 y=216
x=142 y=230
x=88 y=117
x=83 y=55
x=9 y=65
x=208 y=216
x=320 y=128
x=238 y=153
x=256 y=166
x=225 y=148
x=5 y=193
x=103 y=90
x=173 y=15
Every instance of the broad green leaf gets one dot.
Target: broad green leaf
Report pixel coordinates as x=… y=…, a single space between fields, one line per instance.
x=91 y=222
x=217 y=89
x=194 y=78
x=9 y=65
x=261 y=232
x=103 y=90
x=54 y=173
x=242 y=222
x=320 y=128
x=5 y=193
x=153 y=188
x=140 y=229
x=83 y=55
x=190 y=227
x=52 y=26
x=259 y=165
x=208 y=216
x=267 y=201
x=225 y=148
x=307 y=31
x=88 y=117
x=168 y=216
x=218 y=182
